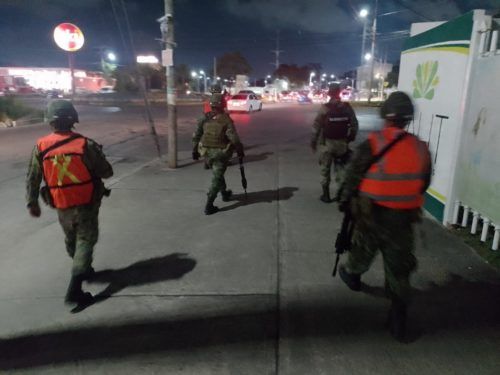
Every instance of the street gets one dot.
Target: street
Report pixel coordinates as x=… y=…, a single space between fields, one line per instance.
x=246 y=291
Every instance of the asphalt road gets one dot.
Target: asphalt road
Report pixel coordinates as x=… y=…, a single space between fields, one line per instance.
x=246 y=291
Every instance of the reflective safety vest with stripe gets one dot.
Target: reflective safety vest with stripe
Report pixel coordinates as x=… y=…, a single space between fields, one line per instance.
x=68 y=179
x=398 y=178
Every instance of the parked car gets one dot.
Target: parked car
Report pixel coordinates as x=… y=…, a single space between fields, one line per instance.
x=303 y=97
x=286 y=96
x=244 y=102
x=54 y=94
x=106 y=90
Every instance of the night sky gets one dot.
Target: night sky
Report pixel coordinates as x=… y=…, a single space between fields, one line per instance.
x=311 y=31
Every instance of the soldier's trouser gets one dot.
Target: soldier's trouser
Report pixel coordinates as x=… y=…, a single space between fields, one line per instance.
x=219 y=166
x=327 y=156
x=391 y=233
x=81 y=228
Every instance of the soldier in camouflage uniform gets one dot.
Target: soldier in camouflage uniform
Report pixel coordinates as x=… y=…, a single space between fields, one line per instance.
x=333 y=129
x=385 y=199
x=76 y=199
x=215 y=138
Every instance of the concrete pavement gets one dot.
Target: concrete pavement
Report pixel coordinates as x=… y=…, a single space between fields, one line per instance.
x=246 y=291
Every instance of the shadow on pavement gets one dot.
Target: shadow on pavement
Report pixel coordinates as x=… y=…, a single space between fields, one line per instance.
x=169 y=267
x=459 y=305
x=264 y=196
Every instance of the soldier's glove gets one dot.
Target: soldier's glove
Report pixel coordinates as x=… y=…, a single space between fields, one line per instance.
x=196 y=155
x=34 y=210
x=239 y=150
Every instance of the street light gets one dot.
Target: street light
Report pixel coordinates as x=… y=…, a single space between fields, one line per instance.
x=202 y=72
x=195 y=75
x=311 y=75
x=111 y=56
x=363 y=14
x=368 y=56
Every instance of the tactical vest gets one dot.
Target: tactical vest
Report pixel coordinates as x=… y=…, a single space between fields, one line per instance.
x=66 y=176
x=397 y=179
x=214 y=132
x=337 y=121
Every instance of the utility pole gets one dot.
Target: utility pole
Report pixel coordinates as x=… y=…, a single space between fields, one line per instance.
x=168 y=36
x=372 y=65
x=277 y=51
x=215 y=70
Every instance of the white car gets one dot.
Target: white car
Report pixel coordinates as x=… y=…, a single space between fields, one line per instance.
x=106 y=90
x=244 y=102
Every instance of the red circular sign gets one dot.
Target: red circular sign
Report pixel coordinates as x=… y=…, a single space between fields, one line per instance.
x=68 y=37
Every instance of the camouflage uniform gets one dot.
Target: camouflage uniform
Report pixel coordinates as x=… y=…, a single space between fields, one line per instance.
x=217 y=157
x=379 y=228
x=80 y=223
x=331 y=150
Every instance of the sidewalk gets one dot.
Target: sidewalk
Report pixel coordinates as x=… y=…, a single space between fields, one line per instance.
x=245 y=291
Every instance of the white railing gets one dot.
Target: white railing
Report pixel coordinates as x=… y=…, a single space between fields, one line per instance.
x=465 y=211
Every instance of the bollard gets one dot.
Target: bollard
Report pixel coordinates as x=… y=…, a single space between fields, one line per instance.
x=486 y=225
x=475 y=219
x=465 y=217
x=496 y=237
x=456 y=210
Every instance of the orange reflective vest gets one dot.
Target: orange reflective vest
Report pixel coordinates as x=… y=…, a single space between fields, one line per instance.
x=397 y=180
x=67 y=177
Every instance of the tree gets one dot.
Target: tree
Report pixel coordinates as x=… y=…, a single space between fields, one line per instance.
x=231 y=64
x=393 y=76
x=297 y=75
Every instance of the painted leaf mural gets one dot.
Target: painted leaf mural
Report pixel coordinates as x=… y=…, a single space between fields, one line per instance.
x=426 y=80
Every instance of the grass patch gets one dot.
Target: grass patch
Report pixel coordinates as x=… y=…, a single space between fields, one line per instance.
x=13 y=109
x=482 y=248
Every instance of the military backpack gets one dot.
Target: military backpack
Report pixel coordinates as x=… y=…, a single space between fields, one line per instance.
x=214 y=132
x=337 y=121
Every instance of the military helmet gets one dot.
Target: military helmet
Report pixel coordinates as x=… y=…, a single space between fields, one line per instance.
x=334 y=90
x=216 y=89
x=62 y=112
x=398 y=107
x=216 y=100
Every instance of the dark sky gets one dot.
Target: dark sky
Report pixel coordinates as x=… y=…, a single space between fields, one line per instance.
x=317 y=31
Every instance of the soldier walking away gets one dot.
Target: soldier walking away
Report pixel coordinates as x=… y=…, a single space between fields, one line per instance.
x=72 y=167
x=385 y=196
x=334 y=127
x=215 y=138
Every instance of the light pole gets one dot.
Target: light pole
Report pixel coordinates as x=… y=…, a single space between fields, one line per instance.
x=204 y=80
x=195 y=75
x=372 y=65
x=311 y=75
x=267 y=77
x=363 y=14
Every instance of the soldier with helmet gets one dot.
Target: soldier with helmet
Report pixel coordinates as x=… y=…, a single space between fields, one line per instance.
x=72 y=167
x=384 y=186
x=334 y=127
x=215 y=138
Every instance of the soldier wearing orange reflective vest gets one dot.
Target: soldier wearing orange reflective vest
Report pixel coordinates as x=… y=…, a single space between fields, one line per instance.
x=385 y=196
x=72 y=167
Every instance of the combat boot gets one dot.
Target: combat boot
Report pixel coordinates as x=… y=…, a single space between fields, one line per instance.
x=226 y=195
x=397 y=320
x=352 y=280
x=75 y=294
x=325 y=197
x=209 y=207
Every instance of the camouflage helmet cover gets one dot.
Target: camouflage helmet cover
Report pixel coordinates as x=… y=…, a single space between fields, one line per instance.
x=397 y=107
x=61 y=110
x=216 y=89
x=216 y=100
x=334 y=90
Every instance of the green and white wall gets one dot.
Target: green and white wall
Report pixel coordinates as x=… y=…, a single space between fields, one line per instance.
x=452 y=71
